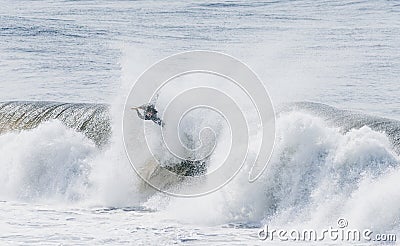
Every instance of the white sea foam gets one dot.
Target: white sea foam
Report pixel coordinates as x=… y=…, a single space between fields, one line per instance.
x=317 y=174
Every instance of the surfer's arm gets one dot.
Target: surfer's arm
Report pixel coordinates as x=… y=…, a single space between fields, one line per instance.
x=158 y=121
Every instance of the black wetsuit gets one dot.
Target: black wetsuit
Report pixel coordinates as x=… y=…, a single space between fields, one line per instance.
x=150 y=113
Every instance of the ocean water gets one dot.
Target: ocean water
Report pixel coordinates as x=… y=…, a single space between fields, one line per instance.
x=63 y=183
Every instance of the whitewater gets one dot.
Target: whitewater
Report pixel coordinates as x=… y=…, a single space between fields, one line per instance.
x=67 y=67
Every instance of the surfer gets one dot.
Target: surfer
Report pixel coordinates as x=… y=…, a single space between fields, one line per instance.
x=149 y=113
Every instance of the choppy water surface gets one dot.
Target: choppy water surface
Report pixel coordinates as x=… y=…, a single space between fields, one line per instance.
x=59 y=186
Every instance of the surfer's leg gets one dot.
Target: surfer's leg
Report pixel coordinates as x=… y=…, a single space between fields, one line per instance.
x=158 y=121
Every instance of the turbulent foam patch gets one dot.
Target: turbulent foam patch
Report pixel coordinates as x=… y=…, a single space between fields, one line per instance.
x=54 y=163
x=47 y=162
x=317 y=174
x=317 y=168
x=327 y=164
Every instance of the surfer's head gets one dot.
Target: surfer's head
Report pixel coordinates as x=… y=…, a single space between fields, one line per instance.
x=151 y=110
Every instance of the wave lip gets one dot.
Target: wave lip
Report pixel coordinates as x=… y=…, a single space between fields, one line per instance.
x=93 y=120
x=347 y=120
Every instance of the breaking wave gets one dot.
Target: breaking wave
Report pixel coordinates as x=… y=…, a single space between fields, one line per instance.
x=328 y=163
